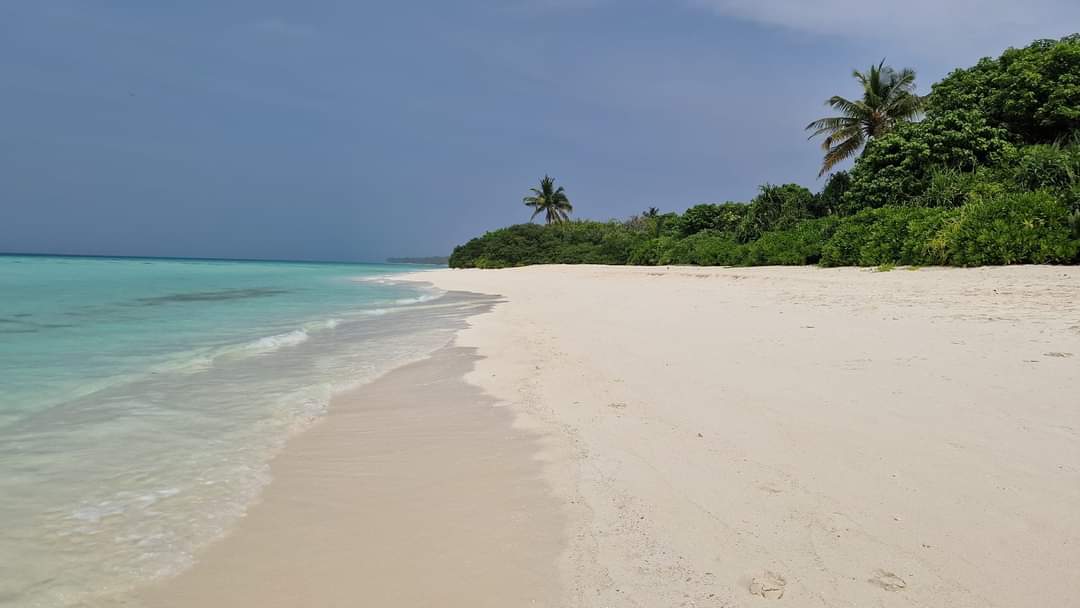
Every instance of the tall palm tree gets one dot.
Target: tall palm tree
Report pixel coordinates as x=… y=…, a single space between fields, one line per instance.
x=550 y=201
x=888 y=99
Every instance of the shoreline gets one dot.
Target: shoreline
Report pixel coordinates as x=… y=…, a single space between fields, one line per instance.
x=690 y=436
x=144 y=413
x=413 y=490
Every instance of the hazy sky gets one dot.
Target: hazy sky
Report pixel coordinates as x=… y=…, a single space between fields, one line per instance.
x=362 y=129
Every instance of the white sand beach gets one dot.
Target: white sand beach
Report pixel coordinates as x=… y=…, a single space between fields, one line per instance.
x=655 y=437
x=844 y=437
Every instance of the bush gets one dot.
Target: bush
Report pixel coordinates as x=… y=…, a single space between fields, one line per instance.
x=1013 y=228
x=715 y=250
x=578 y=242
x=830 y=200
x=1070 y=199
x=891 y=235
x=721 y=218
x=799 y=245
x=775 y=208
x=511 y=246
x=951 y=188
x=653 y=225
x=897 y=167
x=649 y=252
x=707 y=248
x=1048 y=166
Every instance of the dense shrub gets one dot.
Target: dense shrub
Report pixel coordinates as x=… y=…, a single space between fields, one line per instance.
x=775 y=208
x=830 y=200
x=802 y=244
x=708 y=248
x=897 y=167
x=655 y=224
x=891 y=235
x=1071 y=201
x=994 y=226
x=1048 y=166
x=722 y=218
x=579 y=242
x=798 y=245
x=651 y=251
x=1071 y=198
x=511 y=246
x=947 y=187
x=1013 y=228
x=1033 y=92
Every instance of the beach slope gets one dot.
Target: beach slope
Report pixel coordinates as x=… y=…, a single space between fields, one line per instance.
x=842 y=437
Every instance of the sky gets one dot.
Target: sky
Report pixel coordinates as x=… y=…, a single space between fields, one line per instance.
x=357 y=130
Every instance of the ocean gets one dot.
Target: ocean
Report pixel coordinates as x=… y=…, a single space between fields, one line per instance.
x=142 y=399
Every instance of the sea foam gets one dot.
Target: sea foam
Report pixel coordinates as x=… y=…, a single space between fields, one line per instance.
x=275 y=342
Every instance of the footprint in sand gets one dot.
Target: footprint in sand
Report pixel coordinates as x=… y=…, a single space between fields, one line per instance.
x=768 y=585
x=887 y=581
x=1062 y=355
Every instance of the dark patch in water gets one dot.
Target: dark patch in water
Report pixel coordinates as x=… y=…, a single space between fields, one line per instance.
x=20 y=315
x=18 y=331
x=22 y=323
x=212 y=296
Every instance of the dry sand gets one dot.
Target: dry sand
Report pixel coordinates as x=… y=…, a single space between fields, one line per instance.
x=811 y=437
x=693 y=437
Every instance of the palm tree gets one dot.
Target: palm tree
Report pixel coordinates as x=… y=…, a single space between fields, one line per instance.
x=549 y=200
x=888 y=99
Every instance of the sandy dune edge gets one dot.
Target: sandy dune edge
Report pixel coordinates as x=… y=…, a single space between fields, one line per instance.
x=728 y=437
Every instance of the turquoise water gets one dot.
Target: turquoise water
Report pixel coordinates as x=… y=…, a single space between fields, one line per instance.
x=141 y=399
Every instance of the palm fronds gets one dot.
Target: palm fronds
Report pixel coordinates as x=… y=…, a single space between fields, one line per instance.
x=888 y=99
x=550 y=201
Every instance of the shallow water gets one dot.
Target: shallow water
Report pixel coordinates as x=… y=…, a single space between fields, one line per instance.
x=141 y=400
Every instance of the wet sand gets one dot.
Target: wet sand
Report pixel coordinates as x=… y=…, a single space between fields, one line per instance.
x=415 y=490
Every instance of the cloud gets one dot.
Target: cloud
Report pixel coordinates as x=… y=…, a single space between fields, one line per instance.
x=930 y=25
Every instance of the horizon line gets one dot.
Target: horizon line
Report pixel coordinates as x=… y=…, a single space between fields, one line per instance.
x=202 y=259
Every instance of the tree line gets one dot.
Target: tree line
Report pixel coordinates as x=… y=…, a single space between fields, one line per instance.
x=983 y=170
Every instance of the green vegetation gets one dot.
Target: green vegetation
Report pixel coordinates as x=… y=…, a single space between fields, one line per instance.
x=990 y=176
x=550 y=201
x=888 y=99
x=1032 y=92
x=434 y=260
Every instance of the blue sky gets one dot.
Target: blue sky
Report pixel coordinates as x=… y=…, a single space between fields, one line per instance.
x=359 y=130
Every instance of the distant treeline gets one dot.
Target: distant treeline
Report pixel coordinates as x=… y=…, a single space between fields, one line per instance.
x=434 y=259
x=991 y=175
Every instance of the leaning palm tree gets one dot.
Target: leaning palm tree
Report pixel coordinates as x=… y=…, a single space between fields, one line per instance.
x=888 y=99
x=550 y=201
